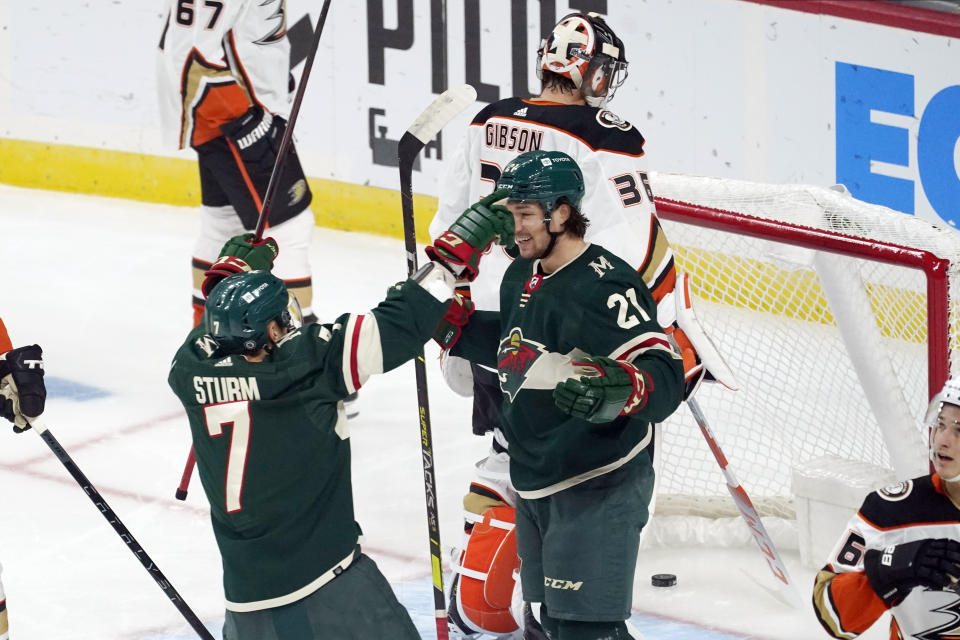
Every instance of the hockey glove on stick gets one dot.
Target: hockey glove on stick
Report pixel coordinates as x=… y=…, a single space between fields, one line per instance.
x=240 y=254
x=894 y=571
x=22 y=392
x=461 y=246
x=606 y=389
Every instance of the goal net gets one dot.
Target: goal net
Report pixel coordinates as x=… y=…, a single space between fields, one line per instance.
x=836 y=316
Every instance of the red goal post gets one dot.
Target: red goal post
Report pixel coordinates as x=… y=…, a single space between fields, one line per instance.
x=838 y=318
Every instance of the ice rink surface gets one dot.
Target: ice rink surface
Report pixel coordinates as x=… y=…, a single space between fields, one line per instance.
x=103 y=286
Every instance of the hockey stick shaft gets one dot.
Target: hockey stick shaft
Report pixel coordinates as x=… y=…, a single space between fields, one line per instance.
x=187 y=474
x=282 y=153
x=121 y=530
x=287 y=138
x=424 y=129
x=747 y=511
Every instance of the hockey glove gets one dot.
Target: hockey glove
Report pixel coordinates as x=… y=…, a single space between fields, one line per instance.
x=894 y=571
x=22 y=392
x=240 y=254
x=461 y=246
x=451 y=326
x=606 y=389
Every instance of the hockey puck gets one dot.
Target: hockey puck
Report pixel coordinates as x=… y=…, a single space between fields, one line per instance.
x=663 y=580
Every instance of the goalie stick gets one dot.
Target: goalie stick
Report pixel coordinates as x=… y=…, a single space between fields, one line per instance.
x=41 y=429
x=423 y=130
x=747 y=511
x=270 y=193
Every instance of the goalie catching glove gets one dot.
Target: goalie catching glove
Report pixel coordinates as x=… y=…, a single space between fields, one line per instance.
x=239 y=254
x=894 y=571
x=461 y=246
x=606 y=389
x=22 y=392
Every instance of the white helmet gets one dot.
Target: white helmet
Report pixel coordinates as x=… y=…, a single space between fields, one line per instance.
x=583 y=48
x=950 y=394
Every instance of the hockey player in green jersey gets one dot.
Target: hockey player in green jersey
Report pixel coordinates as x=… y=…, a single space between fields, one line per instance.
x=585 y=369
x=263 y=396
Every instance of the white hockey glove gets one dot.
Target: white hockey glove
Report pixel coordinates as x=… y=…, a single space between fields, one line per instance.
x=701 y=358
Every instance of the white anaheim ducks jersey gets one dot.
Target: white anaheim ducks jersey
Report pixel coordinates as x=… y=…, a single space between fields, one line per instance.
x=843 y=600
x=618 y=200
x=218 y=58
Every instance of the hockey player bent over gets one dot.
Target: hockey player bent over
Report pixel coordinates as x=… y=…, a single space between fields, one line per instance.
x=584 y=369
x=264 y=399
x=22 y=398
x=581 y=64
x=901 y=551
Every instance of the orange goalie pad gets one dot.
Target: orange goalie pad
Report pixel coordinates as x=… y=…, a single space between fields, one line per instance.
x=486 y=574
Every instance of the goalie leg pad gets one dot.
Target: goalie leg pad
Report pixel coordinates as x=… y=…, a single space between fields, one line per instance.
x=486 y=573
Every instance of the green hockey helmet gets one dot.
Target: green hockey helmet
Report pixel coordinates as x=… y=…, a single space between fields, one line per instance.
x=546 y=177
x=240 y=306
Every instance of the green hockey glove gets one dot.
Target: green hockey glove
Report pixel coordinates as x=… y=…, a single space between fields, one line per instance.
x=240 y=254
x=609 y=388
x=461 y=246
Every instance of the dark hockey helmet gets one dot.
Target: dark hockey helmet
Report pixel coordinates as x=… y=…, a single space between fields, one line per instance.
x=585 y=49
x=240 y=306
x=547 y=177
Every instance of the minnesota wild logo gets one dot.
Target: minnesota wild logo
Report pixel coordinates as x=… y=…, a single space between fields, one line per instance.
x=514 y=360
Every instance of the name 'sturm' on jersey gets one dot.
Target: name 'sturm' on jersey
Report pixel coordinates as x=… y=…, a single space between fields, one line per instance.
x=512 y=138
x=216 y=389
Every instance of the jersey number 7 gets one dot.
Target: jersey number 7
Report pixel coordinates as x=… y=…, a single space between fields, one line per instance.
x=235 y=415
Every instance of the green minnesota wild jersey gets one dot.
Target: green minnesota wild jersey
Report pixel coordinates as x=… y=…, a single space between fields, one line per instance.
x=272 y=444
x=595 y=305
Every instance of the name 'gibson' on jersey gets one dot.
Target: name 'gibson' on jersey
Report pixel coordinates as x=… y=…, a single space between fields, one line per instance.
x=512 y=138
x=216 y=389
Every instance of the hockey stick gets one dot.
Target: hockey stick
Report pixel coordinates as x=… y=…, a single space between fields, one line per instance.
x=270 y=193
x=747 y=511
x=121 y=529
x=423 y=130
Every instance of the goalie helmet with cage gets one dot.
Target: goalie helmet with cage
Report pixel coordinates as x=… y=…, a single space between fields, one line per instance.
x=584 y=49
x=240 y=307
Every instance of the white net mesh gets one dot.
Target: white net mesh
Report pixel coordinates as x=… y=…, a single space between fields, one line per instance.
x=802 y=387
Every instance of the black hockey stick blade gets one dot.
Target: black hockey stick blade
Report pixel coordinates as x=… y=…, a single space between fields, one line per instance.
x=121 y=529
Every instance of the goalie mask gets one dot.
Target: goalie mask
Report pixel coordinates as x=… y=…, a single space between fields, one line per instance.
x=585 y=49
x=240 y=306
x=949 y=395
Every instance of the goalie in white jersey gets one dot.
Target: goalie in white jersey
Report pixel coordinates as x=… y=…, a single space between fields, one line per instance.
x=901 y=551
x=224 y=85
x=581 y=64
